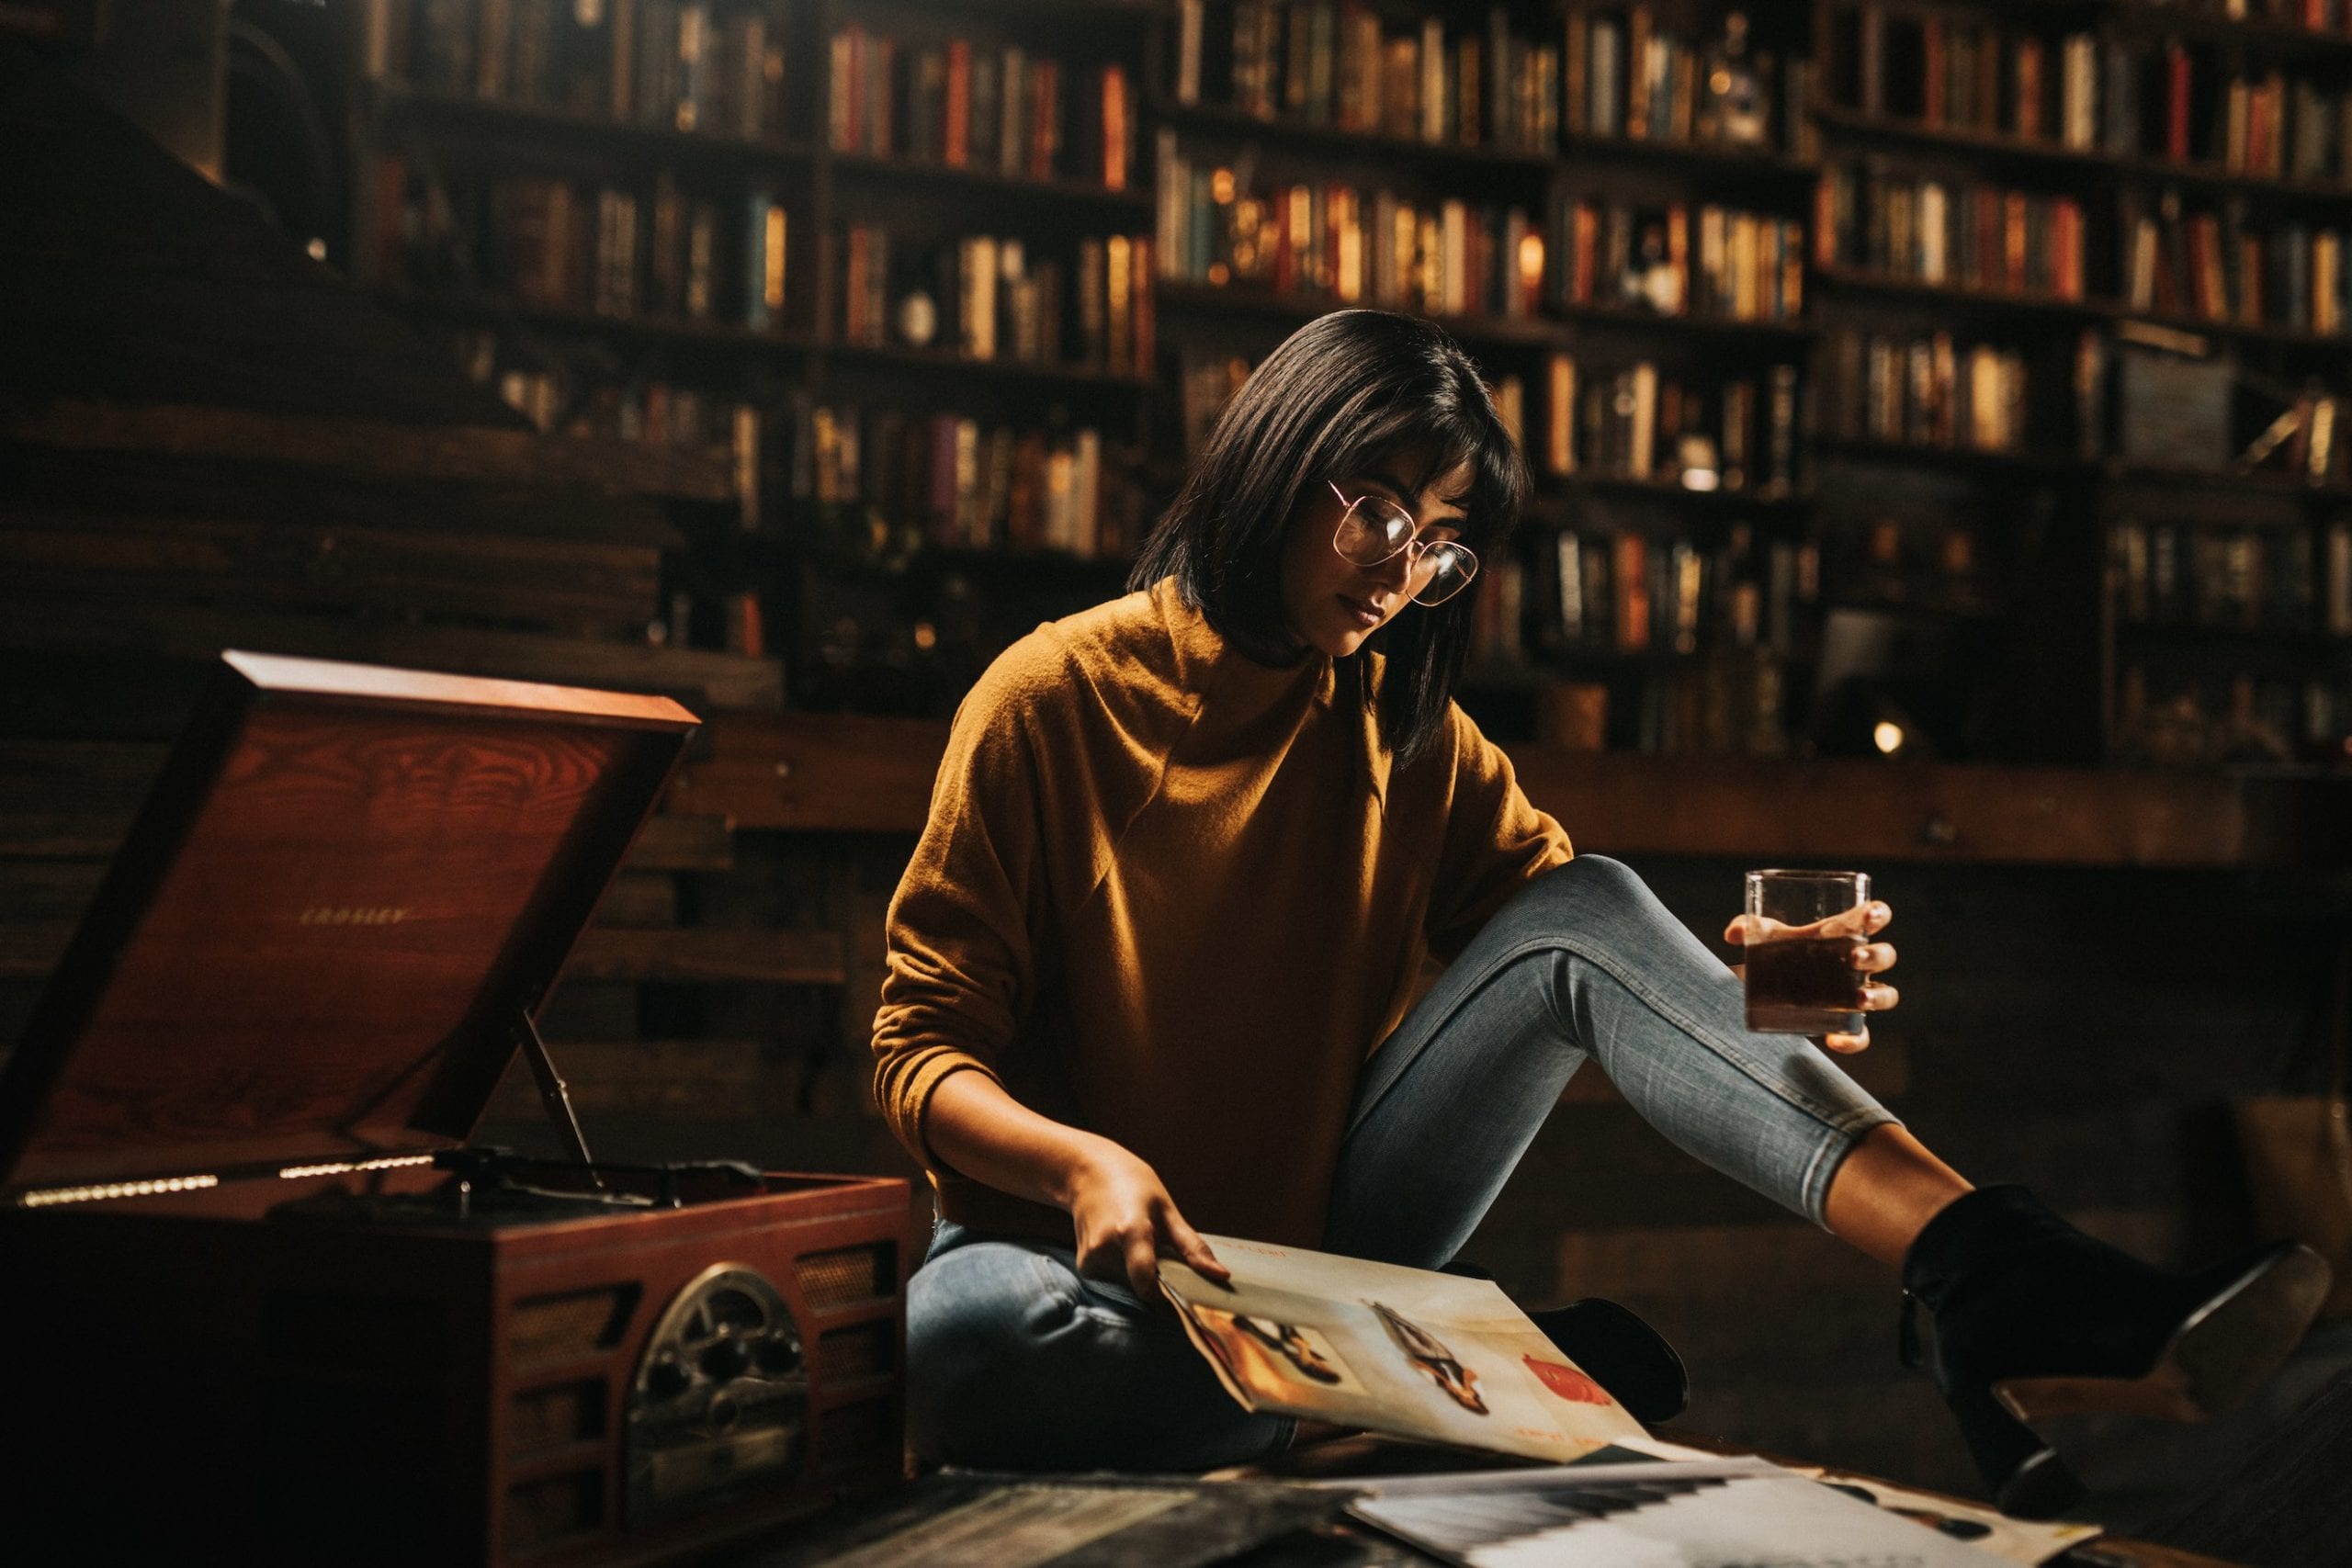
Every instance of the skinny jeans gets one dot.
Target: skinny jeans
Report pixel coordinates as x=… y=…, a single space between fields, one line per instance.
x=1015 y=1360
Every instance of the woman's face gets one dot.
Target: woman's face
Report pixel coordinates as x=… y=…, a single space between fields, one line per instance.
x=1332 y=603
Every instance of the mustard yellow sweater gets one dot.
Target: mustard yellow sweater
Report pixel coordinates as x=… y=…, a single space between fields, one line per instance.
x=1175 y=896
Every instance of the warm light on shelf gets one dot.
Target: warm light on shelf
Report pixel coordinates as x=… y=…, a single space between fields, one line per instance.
x=1888 y=737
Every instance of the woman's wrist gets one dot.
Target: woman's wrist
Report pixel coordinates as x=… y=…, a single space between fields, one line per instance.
x=1082 y=1157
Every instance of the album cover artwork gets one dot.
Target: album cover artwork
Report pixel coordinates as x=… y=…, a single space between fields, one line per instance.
x=1390 y=1349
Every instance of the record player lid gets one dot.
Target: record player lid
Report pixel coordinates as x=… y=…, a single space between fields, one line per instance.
x=346 y=886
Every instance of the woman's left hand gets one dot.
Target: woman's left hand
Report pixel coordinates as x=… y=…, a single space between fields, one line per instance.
x=1872 y=958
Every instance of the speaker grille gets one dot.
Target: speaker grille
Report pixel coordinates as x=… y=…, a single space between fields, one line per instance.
x=551 y=1328
x=860 y=1351
x=846 y=1276
x=543 y=1419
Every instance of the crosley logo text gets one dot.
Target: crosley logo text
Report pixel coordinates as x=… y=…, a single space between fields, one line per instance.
x=338 y=915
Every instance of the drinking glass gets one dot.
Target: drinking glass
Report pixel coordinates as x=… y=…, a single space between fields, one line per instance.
x=1799 y=981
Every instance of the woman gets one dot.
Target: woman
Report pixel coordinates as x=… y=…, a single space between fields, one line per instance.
x=1151 y=967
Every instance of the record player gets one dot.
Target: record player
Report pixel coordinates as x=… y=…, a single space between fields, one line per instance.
x=271 y=1304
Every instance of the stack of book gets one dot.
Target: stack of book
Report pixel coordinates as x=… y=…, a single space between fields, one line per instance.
x=716 y=68
x=1320 y=64
x=1964 y=71
x=1680 y=260
x=1966 y=234
x=989 y=297
x=1339 y=243
x=595 y=248
x=946 y=479
x=2176 y=101
x=2187 y=717
x=1626 y=76
x=1629 y=592
x=2211 y=264
x=2252 y=578
x=1926 y=391
x=1737 y=433
x=579 y=395
x=998 y=109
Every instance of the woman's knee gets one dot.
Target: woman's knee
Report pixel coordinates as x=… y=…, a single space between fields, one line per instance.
x=1589 y=891
x=980 y=1322
x=1014 y=1362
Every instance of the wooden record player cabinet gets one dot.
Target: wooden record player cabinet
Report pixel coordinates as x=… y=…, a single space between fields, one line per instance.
x=252 y=1321
x=217 y=1383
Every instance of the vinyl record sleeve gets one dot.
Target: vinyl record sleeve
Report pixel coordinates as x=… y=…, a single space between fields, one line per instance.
x=1401 y=1351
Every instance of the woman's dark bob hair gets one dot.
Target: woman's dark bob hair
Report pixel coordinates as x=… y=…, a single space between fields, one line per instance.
x=1342 y=393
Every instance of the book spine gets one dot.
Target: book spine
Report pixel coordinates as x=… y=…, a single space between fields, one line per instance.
x=2176 y=102
x=755 y=261
x=1190 y=23
x=1117 y=132
x=955 y=111
x=1559 y=425
x=1630 y=573
x=1118 y=323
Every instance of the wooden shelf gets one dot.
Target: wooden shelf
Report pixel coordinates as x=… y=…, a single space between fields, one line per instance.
x=1725 y=158
x=837 y=772
x=2299 y=641
x=2278 y=337
x=1553 y=328
x=1556 y=490
x=677 y=332
x=1948 y=295
x=2258 y=481
x=196 y=633
x=1222 y=121
x=371 y=447
x=1706 y=157
x=1993 y=302
x=938 y=359
x=2051 y=154
x=434 y=111
x=2274 y=38
x=2033 y=465
x=1733 y=329
x=1175 y=298
x=983 y=182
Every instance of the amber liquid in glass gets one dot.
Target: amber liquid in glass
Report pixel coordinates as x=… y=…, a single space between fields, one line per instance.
x=1804 y=986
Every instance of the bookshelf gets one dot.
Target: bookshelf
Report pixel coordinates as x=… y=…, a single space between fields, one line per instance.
x=1816 y=324
x=698 y=225
x=2143 y=207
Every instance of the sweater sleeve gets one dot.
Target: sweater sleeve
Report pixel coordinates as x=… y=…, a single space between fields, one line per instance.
x=961 y=929
x=1495 y=841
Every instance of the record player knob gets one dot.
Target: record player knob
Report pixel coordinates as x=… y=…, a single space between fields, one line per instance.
x=666 y=1380
x=779 y=1353
x=728 y=1358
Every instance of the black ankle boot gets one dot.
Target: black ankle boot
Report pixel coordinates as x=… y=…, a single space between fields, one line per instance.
x=2032 y=1318
x=1621 y=1353
x=1614 y=1346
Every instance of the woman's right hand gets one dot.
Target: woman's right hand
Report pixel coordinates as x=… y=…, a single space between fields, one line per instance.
x=1120 y=1210
x=1125 y=1220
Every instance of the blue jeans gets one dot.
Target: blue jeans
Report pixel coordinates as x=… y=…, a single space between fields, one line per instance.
x=1016 y=1360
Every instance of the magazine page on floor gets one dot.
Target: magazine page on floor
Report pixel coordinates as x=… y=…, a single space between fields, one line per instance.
x=1399 y=1350
x=1714 y=1513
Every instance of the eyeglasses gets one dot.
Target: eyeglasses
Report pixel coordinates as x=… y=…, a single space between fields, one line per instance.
x=1375 y=529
